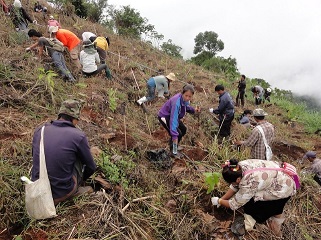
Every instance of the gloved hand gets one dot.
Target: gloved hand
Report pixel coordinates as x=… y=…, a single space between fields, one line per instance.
x=17 y=29
x=214 y=201
x=35 y=21
x=28 y=49
x=211 y=110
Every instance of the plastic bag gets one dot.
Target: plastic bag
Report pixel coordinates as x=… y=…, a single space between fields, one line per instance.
x=39 y=201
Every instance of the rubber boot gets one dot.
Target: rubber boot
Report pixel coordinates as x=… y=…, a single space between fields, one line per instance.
x=142 y=100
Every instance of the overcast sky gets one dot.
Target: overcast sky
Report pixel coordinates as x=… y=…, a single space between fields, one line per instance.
x=277 y=40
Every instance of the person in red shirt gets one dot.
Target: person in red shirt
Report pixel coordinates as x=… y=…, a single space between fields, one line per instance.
x=70 y=40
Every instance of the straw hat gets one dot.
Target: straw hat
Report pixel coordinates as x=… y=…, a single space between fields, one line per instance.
x=51 y=17
x=171 y=77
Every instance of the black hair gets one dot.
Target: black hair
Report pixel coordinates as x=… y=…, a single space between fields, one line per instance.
x=66 y=117
x=219 y=88
x=247 y=111
x=108 y=41
x=231 y=171
x=188 y=87
x=259 y=117
x=34 y=33
x=243 y=76
x=253 y=89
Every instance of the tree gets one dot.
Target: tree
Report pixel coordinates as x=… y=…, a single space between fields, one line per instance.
x=228 y=66
x=95 y=10
x=130 y=23
x=80 y=8
x=171 y=49
x=208 y=42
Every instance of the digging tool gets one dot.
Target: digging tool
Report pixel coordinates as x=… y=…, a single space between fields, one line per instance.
x=135 y=79
x=221 y=126
x=123 y=112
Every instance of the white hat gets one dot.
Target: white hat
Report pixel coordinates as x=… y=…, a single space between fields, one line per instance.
x=53 y=29
x=269 y=90
x=171 y=77
x=51 y=17
x=17 y=4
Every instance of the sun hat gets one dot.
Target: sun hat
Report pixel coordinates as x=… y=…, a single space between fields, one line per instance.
x=171 y=77
x=53 y=29
x=51 y=17
x=310 y=154
x=71 y=108
x=269 y=90
x=259 y=113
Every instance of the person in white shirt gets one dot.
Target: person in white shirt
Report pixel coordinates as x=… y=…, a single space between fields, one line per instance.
x=89 y=59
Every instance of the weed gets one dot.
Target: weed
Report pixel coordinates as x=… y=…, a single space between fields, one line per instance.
x=47 y=78
x=112 y=99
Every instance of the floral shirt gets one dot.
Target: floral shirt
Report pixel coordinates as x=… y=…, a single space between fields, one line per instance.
x=262 y=185
x=255 y=140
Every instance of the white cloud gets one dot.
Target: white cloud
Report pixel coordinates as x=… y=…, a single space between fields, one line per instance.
x=274 y=40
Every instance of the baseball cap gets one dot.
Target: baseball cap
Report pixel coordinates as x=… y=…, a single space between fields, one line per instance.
x=53 y=29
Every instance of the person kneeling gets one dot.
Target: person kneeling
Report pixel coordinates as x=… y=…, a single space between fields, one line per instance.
x=261 y=187
x=89 y=59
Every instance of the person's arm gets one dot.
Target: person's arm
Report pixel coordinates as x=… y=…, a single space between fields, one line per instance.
x=253 y=138
x=221 y=106
x=173 y=121
x=97 y=58
x=86 y=158
x=25 y=15
x=190 y=109
x=81 y=58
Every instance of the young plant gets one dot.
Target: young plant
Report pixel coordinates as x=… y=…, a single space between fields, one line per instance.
x=211 y=180
x=112 y=99
x=47 y=78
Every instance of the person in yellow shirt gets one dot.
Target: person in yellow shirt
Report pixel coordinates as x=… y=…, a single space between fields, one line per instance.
x=102 y=44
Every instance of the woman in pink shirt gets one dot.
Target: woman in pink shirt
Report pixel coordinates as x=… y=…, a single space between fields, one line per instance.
x=53 y=22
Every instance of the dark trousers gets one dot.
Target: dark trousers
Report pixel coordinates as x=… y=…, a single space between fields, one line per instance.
x=225 y=126
x=100 y=68
x=181 y=129
x=263 y=210
x=240 y=96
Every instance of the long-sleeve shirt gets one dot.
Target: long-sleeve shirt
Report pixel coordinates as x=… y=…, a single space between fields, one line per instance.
x=69 y=39
x=89 y=61
x=159 y=82
x=316 y=167
x=19 y=15
x=175 y=109
x=53 y=22
x=255 y=140
x=226 y=105
x=64 y=144
x=242 y=85
x=259 y=91
x=262 y=185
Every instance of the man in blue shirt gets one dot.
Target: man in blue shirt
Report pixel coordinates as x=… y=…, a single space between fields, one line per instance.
x=68 y=157
x=225 y=111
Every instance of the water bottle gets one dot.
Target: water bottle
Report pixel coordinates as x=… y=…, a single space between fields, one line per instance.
x=174 y=148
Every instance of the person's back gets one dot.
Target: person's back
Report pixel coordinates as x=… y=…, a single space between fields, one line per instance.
x=101 y=42
x=68 y=38
x=64 y=144
x=226 y=105
x=89 y=58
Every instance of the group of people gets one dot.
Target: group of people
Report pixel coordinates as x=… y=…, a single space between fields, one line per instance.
x=259 y=93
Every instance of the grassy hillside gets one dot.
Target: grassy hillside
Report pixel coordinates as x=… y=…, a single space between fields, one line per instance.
x=176 y=204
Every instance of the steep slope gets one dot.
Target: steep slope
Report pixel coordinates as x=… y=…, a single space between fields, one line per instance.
x=176 y=204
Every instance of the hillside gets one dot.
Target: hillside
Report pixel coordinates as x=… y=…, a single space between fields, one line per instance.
x=176 y=204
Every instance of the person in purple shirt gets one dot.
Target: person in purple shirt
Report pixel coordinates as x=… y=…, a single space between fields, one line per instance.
x=173 y=111
x=68 y=157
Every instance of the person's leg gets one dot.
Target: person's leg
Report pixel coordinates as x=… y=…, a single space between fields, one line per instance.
x=181 y=130
x=242 y=93
x=237 y=98
x=74 y=55
x=150 y=93
x=225 y=125
x=59 y=62
x=102 y=55
x=165 y=123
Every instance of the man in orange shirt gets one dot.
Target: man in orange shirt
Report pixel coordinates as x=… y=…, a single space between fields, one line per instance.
x=70 y=40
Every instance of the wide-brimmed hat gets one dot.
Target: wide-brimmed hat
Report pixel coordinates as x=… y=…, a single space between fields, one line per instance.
x=71 y=107
x=17 y=4
x=310 y=154
x=171 y=77
x=53 y=29
x=51 y=17
x=259 y=113
x=87 y=43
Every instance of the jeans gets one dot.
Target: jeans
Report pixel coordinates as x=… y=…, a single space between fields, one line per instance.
x=150 y=92
x=60 y=63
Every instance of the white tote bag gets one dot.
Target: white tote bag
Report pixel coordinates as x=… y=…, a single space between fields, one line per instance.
x=39 y=201
x=268 y=150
